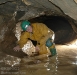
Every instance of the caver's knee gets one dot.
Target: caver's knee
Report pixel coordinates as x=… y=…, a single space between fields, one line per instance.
x=51 y=46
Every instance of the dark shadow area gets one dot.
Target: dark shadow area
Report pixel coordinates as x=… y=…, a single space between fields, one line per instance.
x=62 y=28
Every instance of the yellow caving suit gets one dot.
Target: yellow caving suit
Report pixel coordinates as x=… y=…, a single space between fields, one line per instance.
x=40 y=33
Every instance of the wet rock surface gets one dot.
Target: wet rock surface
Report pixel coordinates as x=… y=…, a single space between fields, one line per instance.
x=68 y=7
x=9 y=40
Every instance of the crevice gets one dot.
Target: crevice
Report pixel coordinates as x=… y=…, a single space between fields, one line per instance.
x=6 y=2
x=57 y=7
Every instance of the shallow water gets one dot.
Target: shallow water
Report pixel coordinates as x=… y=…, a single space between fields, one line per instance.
x=64 y=63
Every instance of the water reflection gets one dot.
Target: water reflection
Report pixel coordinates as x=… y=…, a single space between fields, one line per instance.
x=43 y=67
x=64 y=63
x=52 y=67
x=11 y=60
x=75 y=62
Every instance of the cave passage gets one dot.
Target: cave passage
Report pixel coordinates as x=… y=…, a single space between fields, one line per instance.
x=62 y=28
x=64 y=32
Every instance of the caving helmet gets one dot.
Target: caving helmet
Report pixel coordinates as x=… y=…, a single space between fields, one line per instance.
x=25 y=24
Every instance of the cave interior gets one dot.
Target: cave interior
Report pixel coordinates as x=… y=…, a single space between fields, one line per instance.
x=53 y=17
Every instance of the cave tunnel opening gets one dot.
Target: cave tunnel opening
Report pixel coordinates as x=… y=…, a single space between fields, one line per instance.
x=64 y=32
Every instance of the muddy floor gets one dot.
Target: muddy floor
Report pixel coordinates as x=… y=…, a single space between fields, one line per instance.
x=64 y=63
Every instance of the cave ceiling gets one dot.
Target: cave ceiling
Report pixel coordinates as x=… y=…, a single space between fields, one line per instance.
x=69 y=7
x=34 y=8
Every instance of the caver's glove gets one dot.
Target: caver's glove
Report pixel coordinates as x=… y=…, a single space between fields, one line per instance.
x=17 y=48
